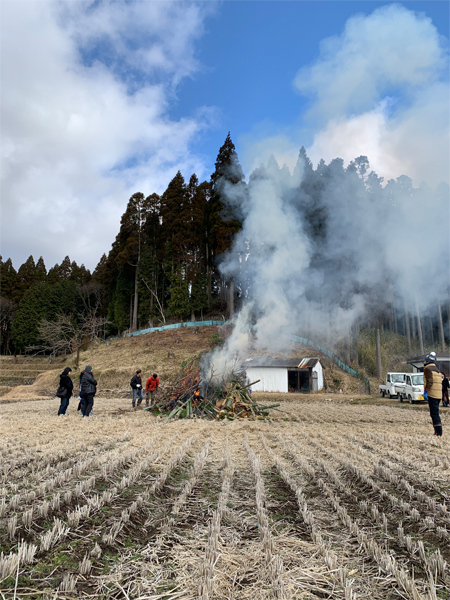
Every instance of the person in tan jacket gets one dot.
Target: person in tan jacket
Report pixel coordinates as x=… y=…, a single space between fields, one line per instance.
x=432 y=390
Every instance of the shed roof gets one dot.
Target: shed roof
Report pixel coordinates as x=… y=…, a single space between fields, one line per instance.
x=283 y=363
x=440 y=357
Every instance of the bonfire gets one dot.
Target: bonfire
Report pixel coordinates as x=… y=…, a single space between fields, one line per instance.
x=191 y=396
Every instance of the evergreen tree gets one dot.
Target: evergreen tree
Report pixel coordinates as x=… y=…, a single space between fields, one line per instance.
x=53 y=275
x=7 y=312
x=223 y=214
x=79 y=274
x=179 y=295
x=99 y=271
x=42 y=301
x=131 y=242
x=60 y=272
x=65 y=269
x=199 y=295
x=198 y=195
x=149 y=291
x=174 y=217
x=26 y=277
x=41 y=271
x=120 y=309
x=8 y=276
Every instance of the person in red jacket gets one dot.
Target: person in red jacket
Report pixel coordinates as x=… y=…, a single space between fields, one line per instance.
x=151 y=388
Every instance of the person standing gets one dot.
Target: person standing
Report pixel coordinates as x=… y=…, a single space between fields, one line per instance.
x=136 y=386
x=445 y=386
x=432 y=390
x=66 y=383
x=88 y=390
x=151 y=388
x=80 y=397
x=247 y=381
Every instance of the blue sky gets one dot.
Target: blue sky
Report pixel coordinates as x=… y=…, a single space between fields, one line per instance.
x=251 y=52
x=102 y=99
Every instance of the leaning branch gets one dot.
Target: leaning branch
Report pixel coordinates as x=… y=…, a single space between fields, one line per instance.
x=157 y=300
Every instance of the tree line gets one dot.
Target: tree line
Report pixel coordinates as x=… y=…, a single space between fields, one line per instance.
x=164 y=263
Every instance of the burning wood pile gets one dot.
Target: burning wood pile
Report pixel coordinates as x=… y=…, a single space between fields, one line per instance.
x=190 y=397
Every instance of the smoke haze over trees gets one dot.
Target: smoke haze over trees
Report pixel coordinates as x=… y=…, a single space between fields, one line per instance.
x=318 y=252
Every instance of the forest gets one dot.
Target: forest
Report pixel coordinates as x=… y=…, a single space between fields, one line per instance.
x=330 y=247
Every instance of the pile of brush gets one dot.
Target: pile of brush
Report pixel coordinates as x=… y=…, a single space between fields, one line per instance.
x=190 y=397
x=235 y=402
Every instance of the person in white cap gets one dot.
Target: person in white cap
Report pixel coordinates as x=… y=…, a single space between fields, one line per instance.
x=432 y=386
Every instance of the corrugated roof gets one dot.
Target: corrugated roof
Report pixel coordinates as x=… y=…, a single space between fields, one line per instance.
x=284 y=363
x=440 y=357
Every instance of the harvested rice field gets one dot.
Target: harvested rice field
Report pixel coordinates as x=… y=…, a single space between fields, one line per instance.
x=328 y=499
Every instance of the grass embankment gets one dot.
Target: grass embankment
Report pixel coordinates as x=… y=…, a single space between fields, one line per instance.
x=114 y=362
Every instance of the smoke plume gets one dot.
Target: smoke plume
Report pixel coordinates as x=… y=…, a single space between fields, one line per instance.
x=324 y=248
x=321 y=249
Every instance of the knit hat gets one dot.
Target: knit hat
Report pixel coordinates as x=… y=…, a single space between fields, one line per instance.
x=88 y=369
x=430 y=358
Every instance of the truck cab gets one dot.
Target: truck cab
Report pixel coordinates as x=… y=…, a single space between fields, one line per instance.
x=394 y=384
x=413 y=388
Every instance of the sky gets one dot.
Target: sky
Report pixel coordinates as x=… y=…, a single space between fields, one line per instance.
x=102 y=99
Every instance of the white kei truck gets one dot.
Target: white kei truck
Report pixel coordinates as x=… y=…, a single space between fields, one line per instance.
x=412 y=389
x=394 y=382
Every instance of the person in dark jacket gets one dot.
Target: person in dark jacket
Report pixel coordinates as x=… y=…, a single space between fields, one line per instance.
x=88 y=390
x=432 y=390
x=65 y=382
x=445 y=386
x=80 y=397
x=136 y=386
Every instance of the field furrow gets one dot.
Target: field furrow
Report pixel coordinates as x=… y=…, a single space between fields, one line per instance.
x=129 y=507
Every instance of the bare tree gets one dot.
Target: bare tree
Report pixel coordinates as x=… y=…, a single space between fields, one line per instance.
x=66 y=335
x=71 y=333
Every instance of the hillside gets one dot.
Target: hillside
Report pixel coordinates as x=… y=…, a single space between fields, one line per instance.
x=114 y=362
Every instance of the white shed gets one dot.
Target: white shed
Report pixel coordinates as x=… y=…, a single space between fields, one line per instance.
x=285 y=374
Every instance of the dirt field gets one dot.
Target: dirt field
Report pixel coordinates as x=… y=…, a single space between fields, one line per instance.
x=336 y=497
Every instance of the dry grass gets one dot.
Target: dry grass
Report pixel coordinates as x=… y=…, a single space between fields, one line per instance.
x=114 y=363
x=328 y=499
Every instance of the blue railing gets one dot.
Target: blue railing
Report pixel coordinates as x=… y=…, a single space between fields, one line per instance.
x=173 y=326
x=334 y=358
x=294 y=338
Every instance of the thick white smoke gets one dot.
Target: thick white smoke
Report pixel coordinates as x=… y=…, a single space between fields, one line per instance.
x=320 y=249
x=369 y=245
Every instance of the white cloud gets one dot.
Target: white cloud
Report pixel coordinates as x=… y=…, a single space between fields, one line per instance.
x=86 y=87
x=381 y=90
x=391 y=49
